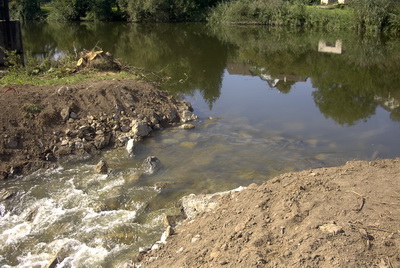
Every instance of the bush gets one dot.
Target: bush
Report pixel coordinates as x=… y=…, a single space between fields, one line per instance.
x=25 y=9
x=165 y=10
x=73 y=10
x=372 y=15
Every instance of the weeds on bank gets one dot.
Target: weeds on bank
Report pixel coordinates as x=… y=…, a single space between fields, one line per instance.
x=52 y=71
x=366 y=16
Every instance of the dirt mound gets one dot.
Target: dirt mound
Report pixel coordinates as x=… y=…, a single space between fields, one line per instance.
x=41 y=124
x=347 y=216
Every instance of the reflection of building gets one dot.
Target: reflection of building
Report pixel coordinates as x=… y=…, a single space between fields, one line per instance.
x=327 y=2
x=388 y=103
x=325 y=47
x=273 y=81
x=239 y=69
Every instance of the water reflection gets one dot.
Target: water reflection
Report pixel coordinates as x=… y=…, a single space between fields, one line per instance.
x=349 y=78
x=325 y=47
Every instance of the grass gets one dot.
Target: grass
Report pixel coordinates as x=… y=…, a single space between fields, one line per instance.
x=21 y=78
x=375 y=18
x=52 y=72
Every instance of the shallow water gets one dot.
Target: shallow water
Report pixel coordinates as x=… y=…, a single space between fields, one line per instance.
x=268 y=102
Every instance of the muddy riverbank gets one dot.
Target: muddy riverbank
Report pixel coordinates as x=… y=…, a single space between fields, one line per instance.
x=43 y=124
x=345 y=216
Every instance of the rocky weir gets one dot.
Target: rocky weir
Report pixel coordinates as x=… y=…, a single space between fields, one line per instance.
x=41 y=125
x=68 y=216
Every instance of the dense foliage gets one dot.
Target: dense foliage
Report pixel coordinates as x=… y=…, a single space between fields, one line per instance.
x=25 y=9
x=365 y=15
x=361 y=15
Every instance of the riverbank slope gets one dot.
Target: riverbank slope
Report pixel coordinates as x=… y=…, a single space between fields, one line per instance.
x=347 y=216
x=43 y=124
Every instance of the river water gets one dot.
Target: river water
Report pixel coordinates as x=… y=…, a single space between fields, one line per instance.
x=268 y=102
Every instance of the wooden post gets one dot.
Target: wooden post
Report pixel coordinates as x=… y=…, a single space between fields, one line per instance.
x=10 y=32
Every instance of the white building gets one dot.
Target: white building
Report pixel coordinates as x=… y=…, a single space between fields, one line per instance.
x=327 y=2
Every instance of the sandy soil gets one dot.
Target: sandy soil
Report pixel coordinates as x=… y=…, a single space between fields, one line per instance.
x=346 y=216
x=41 y=125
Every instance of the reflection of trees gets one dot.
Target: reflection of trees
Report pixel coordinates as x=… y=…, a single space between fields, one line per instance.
x=346 y=85
x=343 y=105
x=185 y=52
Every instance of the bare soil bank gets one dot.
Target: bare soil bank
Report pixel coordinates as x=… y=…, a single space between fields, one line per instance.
x=346 y=216
x=42 y=124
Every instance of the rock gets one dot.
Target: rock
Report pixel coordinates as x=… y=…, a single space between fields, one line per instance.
x=64 y=142
x=144 y=249
x=65 y=114
x=5 y=194
x=187 y=116
x=195 y=238
x=3 y=175
x=155 y=246
x=12 y=144
x=187 y=126
x=331 y=228
x=125 y=128
x=130 y=147
x=150 y=165
x=140 y=128
x=188 y=144
x=172 y=220
x=101 y=167
x=167 y=233
x=162 y=185
x=66 y=250
x=2 y=210
x=73 y=115
x=193 y=205
x=101 y=141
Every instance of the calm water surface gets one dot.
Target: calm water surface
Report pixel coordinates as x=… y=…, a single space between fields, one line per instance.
x=268 y=101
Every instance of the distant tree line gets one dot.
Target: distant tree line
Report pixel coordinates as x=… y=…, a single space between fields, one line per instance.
x=370 y=15
x=106 y=10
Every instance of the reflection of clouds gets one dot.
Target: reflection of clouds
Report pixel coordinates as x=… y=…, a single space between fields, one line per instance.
x=325 y=47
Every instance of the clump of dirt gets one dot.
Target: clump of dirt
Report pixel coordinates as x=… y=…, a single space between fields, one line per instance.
x=346 y=216
x=41 y=124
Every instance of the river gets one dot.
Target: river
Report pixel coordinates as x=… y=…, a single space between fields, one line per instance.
x=268 y=101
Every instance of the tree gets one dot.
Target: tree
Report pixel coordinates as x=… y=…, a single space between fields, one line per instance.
x=25 y=9
x=73 y=10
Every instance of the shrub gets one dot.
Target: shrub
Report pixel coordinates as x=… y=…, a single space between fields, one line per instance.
x=371 y=15
x=25 y=9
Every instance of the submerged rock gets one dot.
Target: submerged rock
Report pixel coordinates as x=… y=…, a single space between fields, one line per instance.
x=5 y=194
x=101 y=167
x=150 y=165
x=187 y=126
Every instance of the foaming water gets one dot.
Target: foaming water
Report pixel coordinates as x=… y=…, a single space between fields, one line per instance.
x=74 y=218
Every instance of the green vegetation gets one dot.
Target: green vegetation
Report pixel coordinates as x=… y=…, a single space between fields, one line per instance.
x=25 y=9
x=48 y=71
x=362 y=15
x=31 y=110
